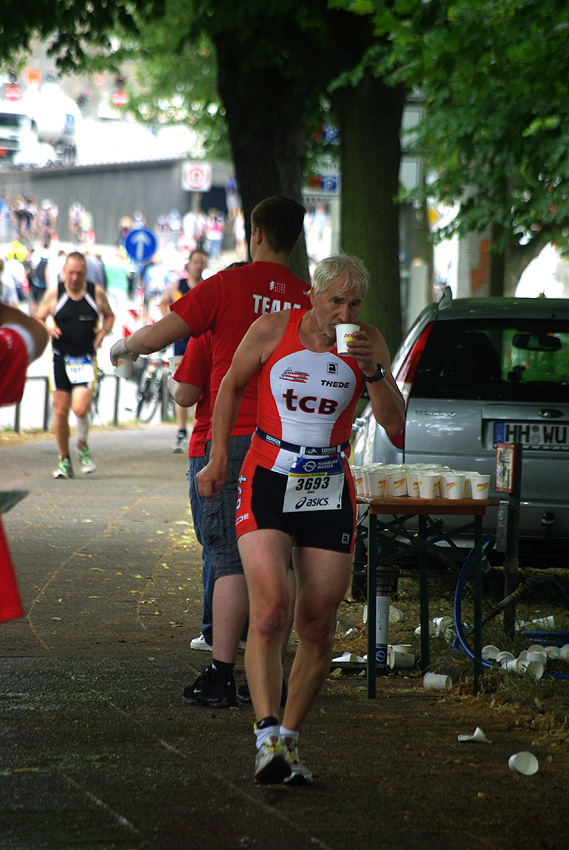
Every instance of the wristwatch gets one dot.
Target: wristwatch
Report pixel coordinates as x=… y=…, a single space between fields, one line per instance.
x=379 y=375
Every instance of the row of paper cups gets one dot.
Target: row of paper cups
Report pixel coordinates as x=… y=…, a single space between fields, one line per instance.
x=419 y=480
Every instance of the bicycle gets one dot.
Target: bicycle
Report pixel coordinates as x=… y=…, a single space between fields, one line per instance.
x=94 y=409
x=153 y=390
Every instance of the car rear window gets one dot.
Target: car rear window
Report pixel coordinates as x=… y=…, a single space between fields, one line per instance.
x=515 y=360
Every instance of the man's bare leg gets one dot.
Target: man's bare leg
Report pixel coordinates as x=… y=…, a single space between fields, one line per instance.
x=322 y=580
x=230 y=609
x=266 y=557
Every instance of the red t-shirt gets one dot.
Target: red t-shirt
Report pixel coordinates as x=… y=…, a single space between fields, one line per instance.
x=227 y=304
x=195 y=369
x=13 y=366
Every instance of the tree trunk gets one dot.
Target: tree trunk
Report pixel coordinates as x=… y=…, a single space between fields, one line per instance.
x=369 y=120
x=267 y=131
x=518 y=258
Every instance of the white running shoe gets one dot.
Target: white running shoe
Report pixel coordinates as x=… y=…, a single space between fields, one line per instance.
x=201 y=643
x=64 y=469
x=85 y=462
x=272 y=764
x=300 y=774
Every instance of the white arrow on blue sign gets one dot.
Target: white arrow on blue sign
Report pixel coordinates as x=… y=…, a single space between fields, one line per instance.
x=140 y=245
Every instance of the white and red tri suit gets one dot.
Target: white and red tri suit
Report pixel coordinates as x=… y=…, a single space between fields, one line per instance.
x=305 y=399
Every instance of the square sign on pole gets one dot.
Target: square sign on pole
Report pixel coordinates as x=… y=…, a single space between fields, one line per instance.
x=196 y=177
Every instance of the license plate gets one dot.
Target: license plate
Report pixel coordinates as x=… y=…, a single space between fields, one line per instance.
x=538 y=436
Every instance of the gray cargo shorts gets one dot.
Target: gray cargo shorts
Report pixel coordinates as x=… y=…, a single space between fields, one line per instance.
x=218 y=514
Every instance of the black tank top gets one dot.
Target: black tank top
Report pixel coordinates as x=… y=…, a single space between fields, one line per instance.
x=77 y=321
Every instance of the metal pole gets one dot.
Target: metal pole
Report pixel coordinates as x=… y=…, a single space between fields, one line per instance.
x=511 y=565
x=117 y=398
x=477 y=600
x=371 y=610
x=46 y=399
x=424 y=596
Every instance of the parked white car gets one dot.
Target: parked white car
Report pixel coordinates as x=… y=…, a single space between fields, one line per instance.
x=476 y=372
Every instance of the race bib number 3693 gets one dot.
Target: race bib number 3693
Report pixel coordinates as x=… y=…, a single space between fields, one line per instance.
x=314 y=485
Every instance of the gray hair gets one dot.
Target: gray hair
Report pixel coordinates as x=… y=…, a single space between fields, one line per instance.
x=326 y=270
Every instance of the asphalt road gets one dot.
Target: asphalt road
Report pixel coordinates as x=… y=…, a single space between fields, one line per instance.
x=98 y=750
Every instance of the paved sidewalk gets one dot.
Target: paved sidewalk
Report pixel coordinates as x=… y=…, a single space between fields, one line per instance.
x=98 y=750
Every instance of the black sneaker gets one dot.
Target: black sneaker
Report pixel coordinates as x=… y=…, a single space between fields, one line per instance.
x=244 y=696
x=211 y=688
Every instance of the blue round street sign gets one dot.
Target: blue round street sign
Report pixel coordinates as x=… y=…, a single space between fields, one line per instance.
x=140 y=245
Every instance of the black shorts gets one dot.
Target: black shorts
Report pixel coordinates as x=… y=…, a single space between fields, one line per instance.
x=59 y=379
x=260 y=505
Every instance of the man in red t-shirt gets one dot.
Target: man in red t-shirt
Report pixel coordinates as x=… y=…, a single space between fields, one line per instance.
x=190 y=386
x=227 y=304
x=22 y=340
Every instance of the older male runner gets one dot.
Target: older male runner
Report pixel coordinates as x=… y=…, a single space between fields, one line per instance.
x=296 y=493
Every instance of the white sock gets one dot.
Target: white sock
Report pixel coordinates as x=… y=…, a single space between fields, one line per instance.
x=82 y=425
x=290 y=735
x=262 y=734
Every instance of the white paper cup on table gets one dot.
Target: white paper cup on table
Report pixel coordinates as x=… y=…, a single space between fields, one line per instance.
x=345 y=333
x=377 y=480
x=436 y=682
x=479 y=485
x=395 y=483
x=524 y=763
x=451 y=485
x=358 y=476
x=413 y=483
x=123 y=368
x=366 y=481
x=429 y=484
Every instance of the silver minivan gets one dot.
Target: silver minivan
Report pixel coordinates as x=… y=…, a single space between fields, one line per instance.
x=480 y=371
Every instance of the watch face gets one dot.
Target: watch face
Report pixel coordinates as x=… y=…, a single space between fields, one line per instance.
x=379 y=375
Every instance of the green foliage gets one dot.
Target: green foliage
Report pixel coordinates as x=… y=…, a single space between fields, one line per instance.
x=496 y=126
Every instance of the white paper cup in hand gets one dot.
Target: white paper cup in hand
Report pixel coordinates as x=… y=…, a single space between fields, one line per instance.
x=436 y=682
x=524 y=763
x=124 y=367
x=174 y=362
x=344 y=333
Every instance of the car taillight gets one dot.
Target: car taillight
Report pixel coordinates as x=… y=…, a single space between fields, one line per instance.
x=406 y=374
